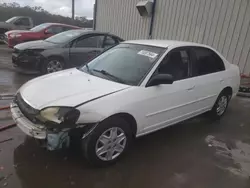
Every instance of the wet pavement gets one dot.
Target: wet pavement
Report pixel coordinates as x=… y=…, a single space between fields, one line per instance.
x=194 y=154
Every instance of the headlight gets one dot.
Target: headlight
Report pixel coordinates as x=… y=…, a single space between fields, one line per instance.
x=33 y=52
x=59 y=115
x=14 y=35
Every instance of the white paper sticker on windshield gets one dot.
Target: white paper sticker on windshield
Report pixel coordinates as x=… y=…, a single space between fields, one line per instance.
x=148 y=54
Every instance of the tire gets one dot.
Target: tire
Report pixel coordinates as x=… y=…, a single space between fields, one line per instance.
x=52 y=64
x=108 y=153
x=220 y=106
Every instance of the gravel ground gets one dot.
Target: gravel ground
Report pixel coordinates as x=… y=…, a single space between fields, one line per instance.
x=195 y=154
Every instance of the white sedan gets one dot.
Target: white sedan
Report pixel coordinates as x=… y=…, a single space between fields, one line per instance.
x=130 y=90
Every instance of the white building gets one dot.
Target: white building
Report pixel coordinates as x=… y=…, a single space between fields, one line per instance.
x=222 y=24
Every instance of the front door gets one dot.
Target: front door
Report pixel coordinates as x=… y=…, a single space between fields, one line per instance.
x=85 y=49
x=167 y=104
x=22 y=23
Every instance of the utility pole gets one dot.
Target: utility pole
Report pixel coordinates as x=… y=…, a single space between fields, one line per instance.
x=73 y=9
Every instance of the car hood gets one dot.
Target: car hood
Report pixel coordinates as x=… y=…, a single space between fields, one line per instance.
x=18 y=31
x=67 y=88
x=5 y=25
x=39 y=44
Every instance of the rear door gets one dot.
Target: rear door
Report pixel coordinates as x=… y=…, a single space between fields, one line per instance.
x=86 y=48
x=207 y=70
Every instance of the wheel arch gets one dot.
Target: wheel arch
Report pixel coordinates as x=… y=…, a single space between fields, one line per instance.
x=228 y=90
x=128 y=118
x=47 y=57
x=55 y=56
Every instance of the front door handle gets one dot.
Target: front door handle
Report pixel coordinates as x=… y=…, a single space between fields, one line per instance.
x=191 y=88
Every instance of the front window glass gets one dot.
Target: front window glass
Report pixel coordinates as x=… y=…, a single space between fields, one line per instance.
x=125 y=63
x=90 y=42
x=176 y=63
x=23 y=22
x=55 y=29
x=64 y=37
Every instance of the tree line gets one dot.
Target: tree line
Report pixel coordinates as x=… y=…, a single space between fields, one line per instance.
x=39 y=15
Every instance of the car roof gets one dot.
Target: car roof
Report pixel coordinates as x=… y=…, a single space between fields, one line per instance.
x=87 y=31
x=82 y=32
x=62 y=24
x=164 y=43
x=21 y=17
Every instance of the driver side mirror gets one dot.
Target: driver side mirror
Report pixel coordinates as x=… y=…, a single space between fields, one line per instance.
x=160 y=79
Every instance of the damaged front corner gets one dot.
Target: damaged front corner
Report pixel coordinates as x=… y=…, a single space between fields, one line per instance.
x=85 y=135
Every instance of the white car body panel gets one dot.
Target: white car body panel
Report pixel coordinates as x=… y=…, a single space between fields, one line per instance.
x=152 y=107
x=70 y=88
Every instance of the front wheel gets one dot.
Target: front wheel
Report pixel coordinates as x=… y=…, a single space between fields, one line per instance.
x=53 y=64
x=108 y=142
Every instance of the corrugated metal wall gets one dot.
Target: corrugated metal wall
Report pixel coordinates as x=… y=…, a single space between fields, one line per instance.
x=121 y=17
x=222 y=24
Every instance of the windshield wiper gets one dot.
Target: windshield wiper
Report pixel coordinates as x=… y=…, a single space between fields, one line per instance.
x=110 y=75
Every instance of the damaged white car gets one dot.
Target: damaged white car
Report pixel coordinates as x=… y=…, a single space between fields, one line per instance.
x=128 y=91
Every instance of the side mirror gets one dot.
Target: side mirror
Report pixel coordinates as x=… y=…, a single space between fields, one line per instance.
x=160 y=79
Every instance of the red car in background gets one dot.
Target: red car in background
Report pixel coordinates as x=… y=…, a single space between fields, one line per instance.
x=40 y=32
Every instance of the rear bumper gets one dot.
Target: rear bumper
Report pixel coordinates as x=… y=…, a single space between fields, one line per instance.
x=28 y=127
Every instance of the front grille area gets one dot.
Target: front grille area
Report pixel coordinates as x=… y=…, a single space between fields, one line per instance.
x=28 y=111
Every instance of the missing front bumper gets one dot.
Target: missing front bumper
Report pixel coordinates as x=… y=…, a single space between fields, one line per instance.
x=29 y=128
x=53 y=140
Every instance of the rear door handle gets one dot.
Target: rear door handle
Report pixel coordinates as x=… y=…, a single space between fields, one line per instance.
x=221 y=80
x=191 y=88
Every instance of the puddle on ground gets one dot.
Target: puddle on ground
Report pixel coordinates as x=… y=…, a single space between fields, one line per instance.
x=233 y=156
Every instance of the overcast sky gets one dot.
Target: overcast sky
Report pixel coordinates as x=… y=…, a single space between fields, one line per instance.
x=62 y=7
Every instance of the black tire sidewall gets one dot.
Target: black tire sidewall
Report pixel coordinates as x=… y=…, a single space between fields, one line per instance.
x=89 y=143
x=45 y=64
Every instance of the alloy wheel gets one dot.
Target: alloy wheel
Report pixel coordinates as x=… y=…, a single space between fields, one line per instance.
x=222 y=105
x=111 y=144
x=54 y=66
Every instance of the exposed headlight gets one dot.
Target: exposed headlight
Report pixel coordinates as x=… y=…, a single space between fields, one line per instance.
x=14 y=35
x=59 y=115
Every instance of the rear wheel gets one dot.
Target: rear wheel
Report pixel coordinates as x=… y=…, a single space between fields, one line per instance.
x=220 y=105
x=108 y=142
x=53 y=64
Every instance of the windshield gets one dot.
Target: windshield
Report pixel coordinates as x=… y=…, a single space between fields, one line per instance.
x=40 y=27
x=125 y=63
x=64 y=37
x=11 y=20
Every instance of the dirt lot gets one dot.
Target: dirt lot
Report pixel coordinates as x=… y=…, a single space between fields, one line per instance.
x=195 y=154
